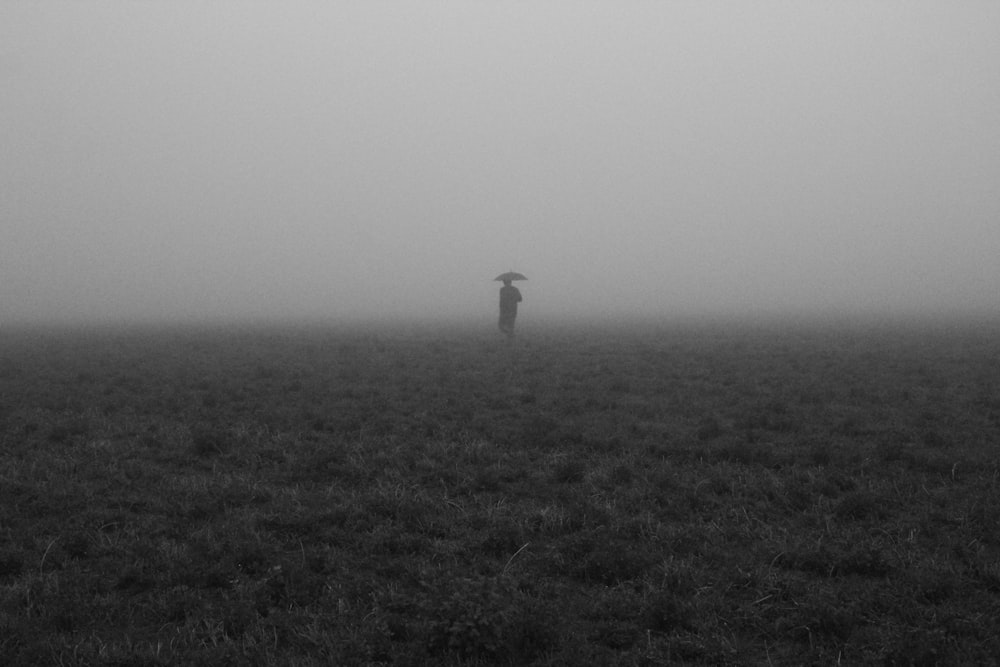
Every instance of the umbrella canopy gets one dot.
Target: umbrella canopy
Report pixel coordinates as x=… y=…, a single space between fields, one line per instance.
x=511 y=275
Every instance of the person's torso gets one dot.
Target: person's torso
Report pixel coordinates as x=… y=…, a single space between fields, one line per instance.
x=509 y=296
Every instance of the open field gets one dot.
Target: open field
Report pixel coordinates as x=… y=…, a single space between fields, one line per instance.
x=699 y=495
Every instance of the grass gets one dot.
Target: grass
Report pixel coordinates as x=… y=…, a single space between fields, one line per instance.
x=606 y=496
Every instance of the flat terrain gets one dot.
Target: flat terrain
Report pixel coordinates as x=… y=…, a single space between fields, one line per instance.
x=700 y=495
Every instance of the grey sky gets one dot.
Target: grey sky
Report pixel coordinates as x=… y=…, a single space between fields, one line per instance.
x=293 y=159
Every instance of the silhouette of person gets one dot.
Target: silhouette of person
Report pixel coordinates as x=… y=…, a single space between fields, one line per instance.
x=510 y=296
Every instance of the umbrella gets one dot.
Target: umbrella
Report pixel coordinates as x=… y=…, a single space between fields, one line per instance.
x=511 y=275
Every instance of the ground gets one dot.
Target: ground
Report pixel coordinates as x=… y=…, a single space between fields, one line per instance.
x=710 y=494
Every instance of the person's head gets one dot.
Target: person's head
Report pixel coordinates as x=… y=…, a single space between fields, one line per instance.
x=506 y=283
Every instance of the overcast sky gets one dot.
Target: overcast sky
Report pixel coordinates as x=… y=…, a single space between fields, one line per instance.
x=178 y=160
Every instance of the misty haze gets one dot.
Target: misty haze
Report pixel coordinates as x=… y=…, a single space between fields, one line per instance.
x=329 y=161
x=499 y=333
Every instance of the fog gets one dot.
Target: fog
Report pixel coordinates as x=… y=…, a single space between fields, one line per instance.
x=178 y=161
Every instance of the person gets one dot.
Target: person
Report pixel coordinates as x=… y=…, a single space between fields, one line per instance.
x=510 y=296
